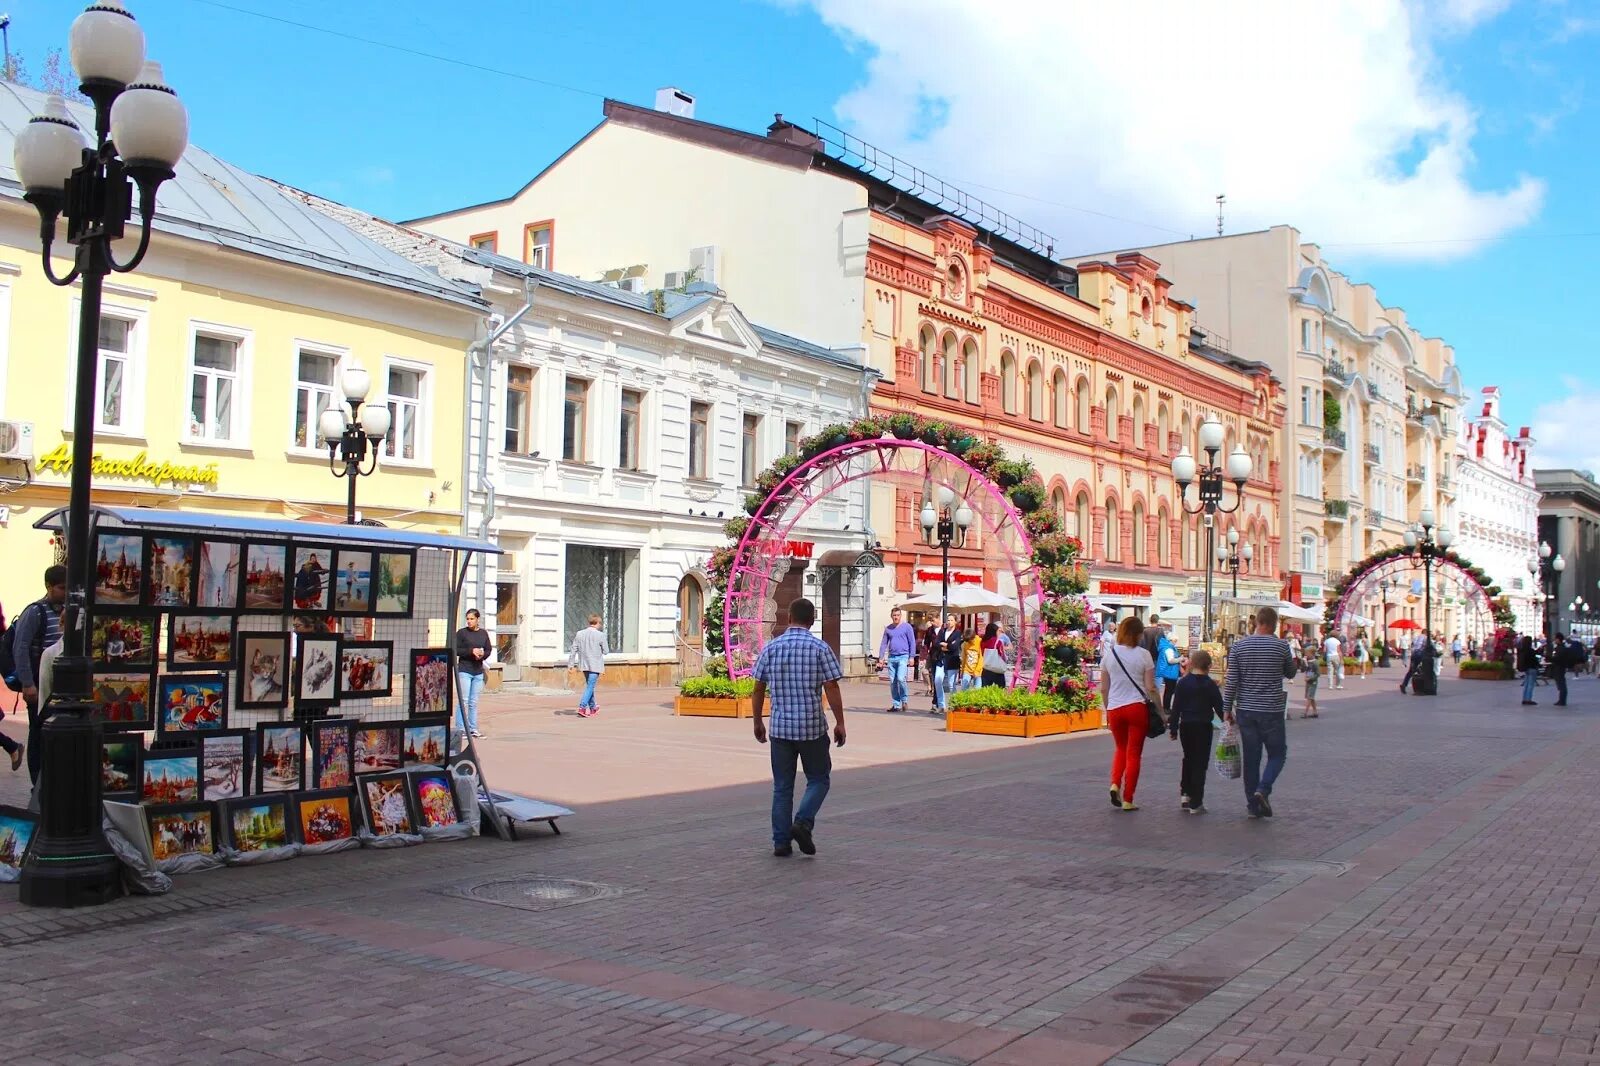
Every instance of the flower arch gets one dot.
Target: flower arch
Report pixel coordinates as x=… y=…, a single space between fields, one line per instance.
x=1364 y=575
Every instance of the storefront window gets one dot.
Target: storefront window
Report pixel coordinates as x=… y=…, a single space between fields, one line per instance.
x=603 y=581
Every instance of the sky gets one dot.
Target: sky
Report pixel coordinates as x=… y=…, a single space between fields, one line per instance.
x=1445 y=151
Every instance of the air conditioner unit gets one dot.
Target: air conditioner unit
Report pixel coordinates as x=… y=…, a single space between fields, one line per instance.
x=703 y=261
x=631 y=285
x=16 y=440
x=676 y=279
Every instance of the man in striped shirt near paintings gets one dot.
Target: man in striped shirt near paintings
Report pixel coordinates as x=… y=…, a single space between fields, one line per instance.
x=1256 y=697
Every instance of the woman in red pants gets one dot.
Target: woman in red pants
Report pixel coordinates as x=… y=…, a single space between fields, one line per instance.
x=1127 y=677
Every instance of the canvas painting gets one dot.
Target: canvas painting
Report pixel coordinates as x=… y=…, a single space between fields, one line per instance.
x=188 y=703
x=170 y=777
x=263 y=662
x=17 y=828
x=280 y=757
x=365 y=669
x=264 y=576
x=123 y=699
x=258 y=823
x=377 y=749
x=220 y=565
x=317 y=670
x=391 y=581
x=169 y=572
x=388 y=805
x=225 y=765
x=436 y=801
x=332 y=756
x=123 y=643
x=119 y=569
x=427 y=743
x=311 y=578
x=352 y=582
x=181 y=829
x=199 y=641
x=119 y=766
x=326 y=816
x=430 y=682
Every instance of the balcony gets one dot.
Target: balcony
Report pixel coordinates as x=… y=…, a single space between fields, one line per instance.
x=1374 y=519
x=1416 y=474
x=1370 y=453
x=1447 y=484
x=1334 y=373
x=1337 y=510
x=1372 y=391
x=1334 y=438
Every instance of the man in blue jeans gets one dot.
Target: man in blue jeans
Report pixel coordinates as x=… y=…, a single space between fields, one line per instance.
x=798 y=669
x=898 y=645
x=1256 y=698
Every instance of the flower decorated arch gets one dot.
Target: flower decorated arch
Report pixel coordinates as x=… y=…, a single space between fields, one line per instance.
x=1362 y=580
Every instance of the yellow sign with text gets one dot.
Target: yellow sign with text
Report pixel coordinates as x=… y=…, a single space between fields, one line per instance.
x=138 y=468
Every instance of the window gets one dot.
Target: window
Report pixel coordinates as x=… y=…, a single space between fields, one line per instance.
x=1138 y=534
x=791 y=438
x=1113 y=532
x=1058 y=504
x=406 y=435
x=112 y=406
x=691 y=611
x=602 y=581
x=928 y=371
x=1163 y=426
x=1112 y=427
x=1308 y=408
x=1081 y=527
x=970 y=365
x=1163 y=538
x=575 y=421
x=699 y=439
x=538 y=245
x=313 y=394
x=749 y=449
x=519 y=409
x=485 y=242
x=1308 y=553
x=1008 y=383
x=1138 y=420
x=631 y=428
x=950 y=366
x=213 y=385
x=1060 y=400
x=1083 y=405
x=1308 y=335
x=1035 y=392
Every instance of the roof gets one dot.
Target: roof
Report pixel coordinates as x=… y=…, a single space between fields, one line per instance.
x=771 y=338
x=213 y=201
x=161 y=520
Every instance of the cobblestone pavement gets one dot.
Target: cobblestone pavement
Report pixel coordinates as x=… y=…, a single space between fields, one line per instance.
x=1426 y=894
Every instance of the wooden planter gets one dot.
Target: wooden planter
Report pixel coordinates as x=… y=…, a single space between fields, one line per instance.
x=705 y=707
x=1484 y=675
x=1019 y=725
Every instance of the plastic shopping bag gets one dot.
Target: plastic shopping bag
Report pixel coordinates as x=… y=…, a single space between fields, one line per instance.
x=1228 y=760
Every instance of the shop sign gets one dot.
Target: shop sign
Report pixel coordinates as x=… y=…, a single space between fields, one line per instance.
x=793 y=549
x=1309 y=591
x=139 y=467
x=955 y=579
x=1124 y=588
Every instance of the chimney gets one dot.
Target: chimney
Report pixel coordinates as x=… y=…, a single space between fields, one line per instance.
x=788 y=133
x=675 y=101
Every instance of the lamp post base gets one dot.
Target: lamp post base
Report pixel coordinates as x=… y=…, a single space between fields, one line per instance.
x=70 y=864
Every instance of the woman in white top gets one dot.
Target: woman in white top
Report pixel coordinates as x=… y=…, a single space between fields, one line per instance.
x=1127 y=679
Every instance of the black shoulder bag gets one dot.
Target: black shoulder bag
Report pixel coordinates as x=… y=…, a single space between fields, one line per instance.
x=1154 y=724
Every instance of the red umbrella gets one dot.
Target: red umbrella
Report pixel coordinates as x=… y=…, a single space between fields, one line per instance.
x=1403 y=623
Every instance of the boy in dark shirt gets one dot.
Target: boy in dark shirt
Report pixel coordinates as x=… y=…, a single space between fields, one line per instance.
x=1198 y=699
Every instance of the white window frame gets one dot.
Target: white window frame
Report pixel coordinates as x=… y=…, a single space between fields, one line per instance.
x=341 y=360
x=530 y=414
x=708 y=469
x=244 y=352
x=133 y=398
x=643 y=466
x=591 y=386
x=1312 y=567
x=424 y=401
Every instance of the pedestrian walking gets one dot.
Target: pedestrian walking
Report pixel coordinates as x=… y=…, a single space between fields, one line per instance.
x=930 y=657
x=896 y=647
x=1309 y=665
x=1528 y=667
x=1456 y=649
x=472 y=651
x=1150 y=641
x=1561 y=660
x=37 y=628
x=799 y=670
x=995 y=644
x=947 y=662
x=1257 y=699
x=972 y=661
x=1361 y=655
x=1418 y=644
x=589 y=651
x=1127 y=683
x=1169 y=668
x=1335 y=656
x=1196 y=701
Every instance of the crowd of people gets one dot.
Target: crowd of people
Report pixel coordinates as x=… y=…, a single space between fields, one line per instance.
x=950 y=659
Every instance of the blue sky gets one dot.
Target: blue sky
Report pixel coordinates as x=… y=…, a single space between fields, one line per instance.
x=1396 y=133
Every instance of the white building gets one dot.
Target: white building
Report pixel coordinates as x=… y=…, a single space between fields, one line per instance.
x=1497 y=505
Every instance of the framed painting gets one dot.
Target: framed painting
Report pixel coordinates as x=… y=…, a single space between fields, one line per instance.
x=436 y=799
x=124 y=699
x=377 y=748
x=181 y=829
x=170 y=776
x=199 y=641
x=264 y=587
x=310 y=584
x=316 y=670
x=263 y=670
x=352 y=581
x=256 y=823
x=225 y=764
x=118 y=569
x=119 y=642
x=17 y=829
x=120 y=757
x=391 y=583
x=427 y=741
x=169 y=572
x=431 y=683
x=221 y=562
x=387 y=804
x=333 y=753
x=280 y=757
x=366 y=669
x=191 y=703
x=327 y=815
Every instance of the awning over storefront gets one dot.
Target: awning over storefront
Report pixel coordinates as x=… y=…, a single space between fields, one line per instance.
x=157 y=519
x=963 y=598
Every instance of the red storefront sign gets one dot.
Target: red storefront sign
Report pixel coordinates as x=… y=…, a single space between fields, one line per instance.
x=1124 y=588
x=955 y=579
x=794 y=549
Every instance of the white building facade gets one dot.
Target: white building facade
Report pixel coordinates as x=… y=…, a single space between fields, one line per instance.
x=1497 y=508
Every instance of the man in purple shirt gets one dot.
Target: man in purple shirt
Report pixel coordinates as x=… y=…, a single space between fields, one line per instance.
x=898 y=645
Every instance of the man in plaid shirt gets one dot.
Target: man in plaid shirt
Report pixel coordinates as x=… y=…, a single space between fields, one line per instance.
x=798 y=669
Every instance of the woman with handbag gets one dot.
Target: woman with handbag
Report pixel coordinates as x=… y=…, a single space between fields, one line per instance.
x=1127 y=678
x=995 y=642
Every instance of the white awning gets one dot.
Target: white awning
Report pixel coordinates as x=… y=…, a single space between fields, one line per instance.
x=963 y=598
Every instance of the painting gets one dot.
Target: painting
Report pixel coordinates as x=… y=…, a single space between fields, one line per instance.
x=181 y=829
x=263 y=662
x=225 y=764
x=123 y=699
x=386 y=801
x=310 y=591
x=391 y=583
x=220 y=565
x=332 y=754
x=199 y=641
x=17 y=827
x=257 y=823
x=316 y=670
x=377 y=749
x=170 y=776
x=430 y=682
x=169 y=572
x=326 y=816
x=120 y=755
x=280 y=757
x=118 y=569
x=352 y=582
x=191 y=703
x=366 y=669
x=264 y=587
x=436 y=800
x=120 y=642
x=427 y=742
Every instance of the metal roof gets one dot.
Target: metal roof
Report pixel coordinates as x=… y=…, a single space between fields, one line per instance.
x=160 y=520
x=213 y=201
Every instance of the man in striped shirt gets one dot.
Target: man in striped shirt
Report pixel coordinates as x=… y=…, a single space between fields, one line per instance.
x=1256 y=697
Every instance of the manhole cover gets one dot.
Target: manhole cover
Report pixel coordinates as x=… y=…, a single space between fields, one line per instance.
x=1296 y=867
x=535 y=893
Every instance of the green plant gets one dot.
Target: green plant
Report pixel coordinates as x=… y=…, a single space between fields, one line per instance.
x=1009 y=473
x=1332 y=413
x=1502 y=668
x=995 y=699
x=904 y=426
x=716 y=666
x=716 y=688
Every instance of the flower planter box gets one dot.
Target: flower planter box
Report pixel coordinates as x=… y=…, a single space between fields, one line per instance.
x=1011 y=725
x=1484 y=675
x=704 y=707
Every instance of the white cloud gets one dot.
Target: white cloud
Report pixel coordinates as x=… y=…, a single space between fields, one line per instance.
x=1328 y=116
x=1564 y=428
x=1465 y=14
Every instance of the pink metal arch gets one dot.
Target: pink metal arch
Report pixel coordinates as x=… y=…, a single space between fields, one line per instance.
x=760 y=562
x=1367 y=580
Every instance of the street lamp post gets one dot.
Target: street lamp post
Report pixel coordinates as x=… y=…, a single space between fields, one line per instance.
x=1184 y=471
x=1231 y=555
x=1427 y=542
x=141 y=130
x=353 y=434
x=944 y=526
x=1385 y=585
x=1547 y=568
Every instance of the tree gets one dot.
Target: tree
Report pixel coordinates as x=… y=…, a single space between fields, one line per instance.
x=54 y=75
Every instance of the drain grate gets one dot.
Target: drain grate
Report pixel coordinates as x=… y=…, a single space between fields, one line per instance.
x=1297 y=867
x=535 y=893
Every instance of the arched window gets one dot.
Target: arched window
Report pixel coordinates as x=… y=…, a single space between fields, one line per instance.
x=951 y=365
x=971 y=366
x=1113 y=530
x=1138 y=534
x=1080 y=520
x=1186 y=434
x=1163 y=426
x=1058 y=504
x=1035 y=390
x=1163 y=538
x=691 y=610
x=926 y=344
x=1060 y=399
x=1138 y=419
x=1189 y=533
x=1111 y=411
x=1008 y=383
x=1082 y=414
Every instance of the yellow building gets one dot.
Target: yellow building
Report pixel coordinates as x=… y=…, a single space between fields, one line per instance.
x=216 y=357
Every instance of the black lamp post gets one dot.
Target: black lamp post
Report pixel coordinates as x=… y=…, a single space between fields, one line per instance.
x=1231 y=554
x=353 y=435
x=1427 y=542
x=1184 y=469
x=141 y=130
x=945 y=526
x=1385 y=585
x=1547 y=568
